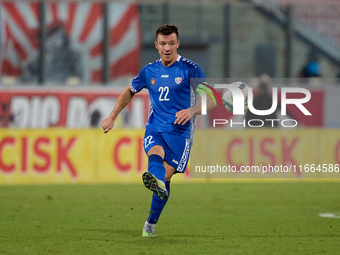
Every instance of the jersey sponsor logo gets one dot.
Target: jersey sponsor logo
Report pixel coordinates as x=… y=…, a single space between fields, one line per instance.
x=165 y=76
x=152 y=82
x=178 y=80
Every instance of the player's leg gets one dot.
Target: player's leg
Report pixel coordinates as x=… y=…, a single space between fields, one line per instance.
x=156 y=157
x=158 y=204
x=177 y=151
x=154 y=179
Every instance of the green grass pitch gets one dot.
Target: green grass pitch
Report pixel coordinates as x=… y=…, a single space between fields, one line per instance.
x=205 y=218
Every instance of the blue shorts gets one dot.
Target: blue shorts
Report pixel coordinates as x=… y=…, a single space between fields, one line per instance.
x=176 y=148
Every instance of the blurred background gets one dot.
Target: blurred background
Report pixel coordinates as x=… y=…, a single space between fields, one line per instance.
x=100 y=43
x=64 y=63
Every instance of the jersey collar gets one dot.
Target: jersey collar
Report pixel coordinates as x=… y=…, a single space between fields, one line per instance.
x=177 y=60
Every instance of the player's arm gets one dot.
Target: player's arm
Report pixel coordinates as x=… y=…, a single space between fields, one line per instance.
x=122 y=101
x=185 y=115
x=211 y=102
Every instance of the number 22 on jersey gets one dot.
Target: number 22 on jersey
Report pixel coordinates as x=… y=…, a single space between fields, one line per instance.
x=164 y=93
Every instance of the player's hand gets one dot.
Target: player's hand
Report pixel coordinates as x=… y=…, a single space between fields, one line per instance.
x=182 y=117
x=108 y=124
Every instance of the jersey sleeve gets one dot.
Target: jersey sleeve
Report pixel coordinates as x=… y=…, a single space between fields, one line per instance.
x=198 y=82
x=196 y=76
x=138 y=83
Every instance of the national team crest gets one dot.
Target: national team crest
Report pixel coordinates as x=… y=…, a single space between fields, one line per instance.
x=178 y=80
x=152 y=82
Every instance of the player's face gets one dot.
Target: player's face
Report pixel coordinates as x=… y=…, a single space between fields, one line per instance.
x=167 y=48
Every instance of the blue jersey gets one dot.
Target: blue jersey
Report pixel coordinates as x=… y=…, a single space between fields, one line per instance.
x=170 y=91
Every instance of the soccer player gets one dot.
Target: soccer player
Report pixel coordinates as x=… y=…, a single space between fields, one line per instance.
x=169 y=130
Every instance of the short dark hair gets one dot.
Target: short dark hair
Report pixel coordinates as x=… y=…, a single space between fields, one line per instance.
x=167 y=29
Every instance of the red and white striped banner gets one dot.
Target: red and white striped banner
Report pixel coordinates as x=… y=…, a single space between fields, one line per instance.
x=73 y=39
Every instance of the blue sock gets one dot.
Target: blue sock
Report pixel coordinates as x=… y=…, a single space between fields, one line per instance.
x=157 y=205
x=156 y=167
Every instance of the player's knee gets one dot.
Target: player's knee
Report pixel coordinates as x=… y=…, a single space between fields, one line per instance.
x=168 y=176
x=158 y=150
x=169 y=172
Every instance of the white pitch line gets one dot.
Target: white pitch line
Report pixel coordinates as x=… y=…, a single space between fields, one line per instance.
x=329 y=215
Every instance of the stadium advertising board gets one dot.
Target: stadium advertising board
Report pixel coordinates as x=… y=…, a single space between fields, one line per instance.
x=87 y=156
x=71 y=108
x=46 y=156
x=71 y=156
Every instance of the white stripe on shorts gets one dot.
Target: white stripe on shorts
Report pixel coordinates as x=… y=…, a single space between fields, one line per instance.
x=185 y=156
